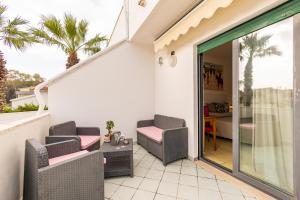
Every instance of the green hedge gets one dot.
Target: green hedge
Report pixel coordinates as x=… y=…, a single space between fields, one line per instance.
x=22 y=108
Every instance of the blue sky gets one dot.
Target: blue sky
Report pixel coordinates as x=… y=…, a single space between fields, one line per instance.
x=49 y=61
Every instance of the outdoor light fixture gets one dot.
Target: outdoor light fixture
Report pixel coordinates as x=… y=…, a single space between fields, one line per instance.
x=173 y=59
x=142 y=3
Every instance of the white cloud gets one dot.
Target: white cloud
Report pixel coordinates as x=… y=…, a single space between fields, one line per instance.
x=49 y=61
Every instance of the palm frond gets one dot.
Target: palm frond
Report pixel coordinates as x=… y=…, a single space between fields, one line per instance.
x=70 y=27
x=3 y=8
x=272 y=50
x=53 y=26
x=93 y=45
x=45 y=38
x=17 y=21
x=91 y=50
x=14 y=42
x=82 y=31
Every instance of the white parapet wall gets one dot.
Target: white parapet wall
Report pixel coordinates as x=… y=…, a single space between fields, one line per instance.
x=117 y=85
x=6 y=119
x=12 y=145
x=30 y=99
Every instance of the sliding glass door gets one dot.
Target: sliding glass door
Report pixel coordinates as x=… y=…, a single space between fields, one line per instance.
x=266 y=105
x=265 y=100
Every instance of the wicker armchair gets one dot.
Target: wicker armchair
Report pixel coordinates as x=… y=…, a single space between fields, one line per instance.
x=77 y=178
x=89 y=137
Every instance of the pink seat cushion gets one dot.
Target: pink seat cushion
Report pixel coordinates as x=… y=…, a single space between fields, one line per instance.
x=152 y=132
x=88 y=140
x=55 y=160
x=248 y=126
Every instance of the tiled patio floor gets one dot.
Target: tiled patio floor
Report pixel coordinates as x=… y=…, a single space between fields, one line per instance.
x=179 y=180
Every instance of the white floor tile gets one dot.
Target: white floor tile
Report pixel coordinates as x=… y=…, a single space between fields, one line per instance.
x=158 y=166
x=250 y=198
x=150 y=157
x=188 y=180
x=133 y=182
x=123 y=193
x=155 y=174
x=171 y=177
x=228 y=188
x=205 y=194
x=187 y=192
x=149 y=185
x=140 y=171
x=173 y=168
x=188 y=163
x=205 y=174
x=163 y=197
x=226 y=196
x=118 y=180
x=178 y=162
x=169 y=189
x=206 y=183
x=180 y=179
x=110 y=189
x=143 y=195
x=146 y=163
x=189 y=171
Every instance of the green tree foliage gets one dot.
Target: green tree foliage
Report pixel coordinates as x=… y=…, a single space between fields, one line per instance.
x=16 y=80
x=69 y=35
x=22 y=108
x=12 y=34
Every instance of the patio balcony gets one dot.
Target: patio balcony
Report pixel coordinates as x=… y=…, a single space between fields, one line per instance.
x=183 y=179
x=98 y=90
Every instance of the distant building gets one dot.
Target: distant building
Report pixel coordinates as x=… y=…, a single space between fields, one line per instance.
x=27 y=96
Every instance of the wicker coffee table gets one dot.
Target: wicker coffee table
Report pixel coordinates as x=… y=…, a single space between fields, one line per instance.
x=119 y=159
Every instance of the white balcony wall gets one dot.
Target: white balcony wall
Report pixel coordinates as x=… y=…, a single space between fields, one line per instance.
x=120 y=31
x=118 y=86
x=31 y=99
x=176 y=87
x=7 y=119
x=12 y=143
x=138 y=14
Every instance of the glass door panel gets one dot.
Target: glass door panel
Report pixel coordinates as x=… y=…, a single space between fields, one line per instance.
x=266 y=105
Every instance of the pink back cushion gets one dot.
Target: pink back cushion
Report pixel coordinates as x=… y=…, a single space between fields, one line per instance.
x=88 y=140
x=59 y=159
x=152 y=132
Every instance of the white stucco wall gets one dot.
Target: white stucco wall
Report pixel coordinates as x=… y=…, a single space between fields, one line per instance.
x=12 y=143
x=120 y=31
x=138 y=14
x=9 y=118
x=176 y=87
x=118 y=86
x=28 y=100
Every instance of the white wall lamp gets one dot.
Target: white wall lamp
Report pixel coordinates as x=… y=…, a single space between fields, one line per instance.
x=160 y=61
x=173 y=59
x=142 y=3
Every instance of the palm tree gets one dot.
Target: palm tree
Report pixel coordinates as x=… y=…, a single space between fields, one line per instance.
x=69 y=35
x=253 y=46
x=12 y=35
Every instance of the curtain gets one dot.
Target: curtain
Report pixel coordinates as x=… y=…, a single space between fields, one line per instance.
x=272 y=148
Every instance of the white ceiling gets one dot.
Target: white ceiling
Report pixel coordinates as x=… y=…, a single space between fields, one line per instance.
x=163 y=16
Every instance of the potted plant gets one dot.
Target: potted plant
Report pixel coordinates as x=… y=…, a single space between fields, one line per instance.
x=109 y=126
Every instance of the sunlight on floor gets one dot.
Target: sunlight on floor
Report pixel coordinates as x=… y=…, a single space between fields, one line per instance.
x=223 y=154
